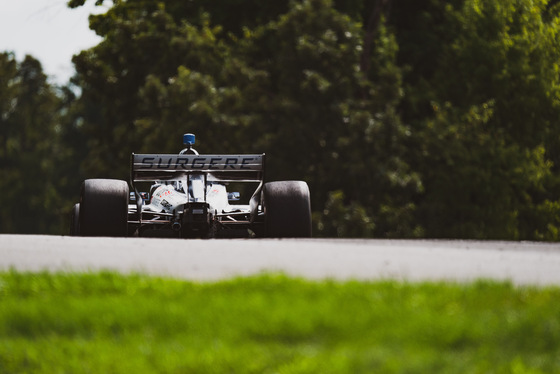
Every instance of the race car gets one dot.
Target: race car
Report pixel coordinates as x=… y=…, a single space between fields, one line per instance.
x=186 y=195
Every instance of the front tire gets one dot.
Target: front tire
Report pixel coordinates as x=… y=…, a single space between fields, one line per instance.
x=104 y=208
x=287 y=209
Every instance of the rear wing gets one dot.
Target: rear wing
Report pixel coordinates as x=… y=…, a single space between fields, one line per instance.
x=223 y=168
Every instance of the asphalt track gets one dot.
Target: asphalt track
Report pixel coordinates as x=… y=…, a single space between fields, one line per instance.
x=522 y=263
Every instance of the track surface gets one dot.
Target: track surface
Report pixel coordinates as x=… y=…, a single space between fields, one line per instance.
x=411 y=260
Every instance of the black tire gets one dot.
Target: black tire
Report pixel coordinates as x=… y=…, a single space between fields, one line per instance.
x=287 y=209
x=75 y=220
x=104 y=208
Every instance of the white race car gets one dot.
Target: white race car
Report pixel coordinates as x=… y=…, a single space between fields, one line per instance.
x=187 y=197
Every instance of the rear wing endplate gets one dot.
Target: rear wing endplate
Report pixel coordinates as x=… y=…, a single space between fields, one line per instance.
x=224 y=168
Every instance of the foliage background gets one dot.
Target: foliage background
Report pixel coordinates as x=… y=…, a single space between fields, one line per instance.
x=408 y=118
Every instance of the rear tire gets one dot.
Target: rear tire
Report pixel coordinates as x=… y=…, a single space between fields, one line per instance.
x=287 y=209
x=104 y=208
x=75 y=220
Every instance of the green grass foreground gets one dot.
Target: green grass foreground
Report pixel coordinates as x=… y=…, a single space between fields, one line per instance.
x=110 y=323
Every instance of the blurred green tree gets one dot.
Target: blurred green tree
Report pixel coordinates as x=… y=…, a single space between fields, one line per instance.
x=30 y=150
x=412 y=118
x=293 y=87
x=483 y=105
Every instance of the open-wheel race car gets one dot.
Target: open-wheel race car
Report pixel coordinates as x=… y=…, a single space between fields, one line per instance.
x=186 y=195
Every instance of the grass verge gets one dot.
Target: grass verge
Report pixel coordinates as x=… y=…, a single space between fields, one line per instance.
x=110 y=323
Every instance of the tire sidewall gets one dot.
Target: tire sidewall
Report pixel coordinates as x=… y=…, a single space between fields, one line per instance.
x=104 y=207
x=287 y=209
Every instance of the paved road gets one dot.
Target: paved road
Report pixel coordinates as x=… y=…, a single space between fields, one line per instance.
x=412 y=260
